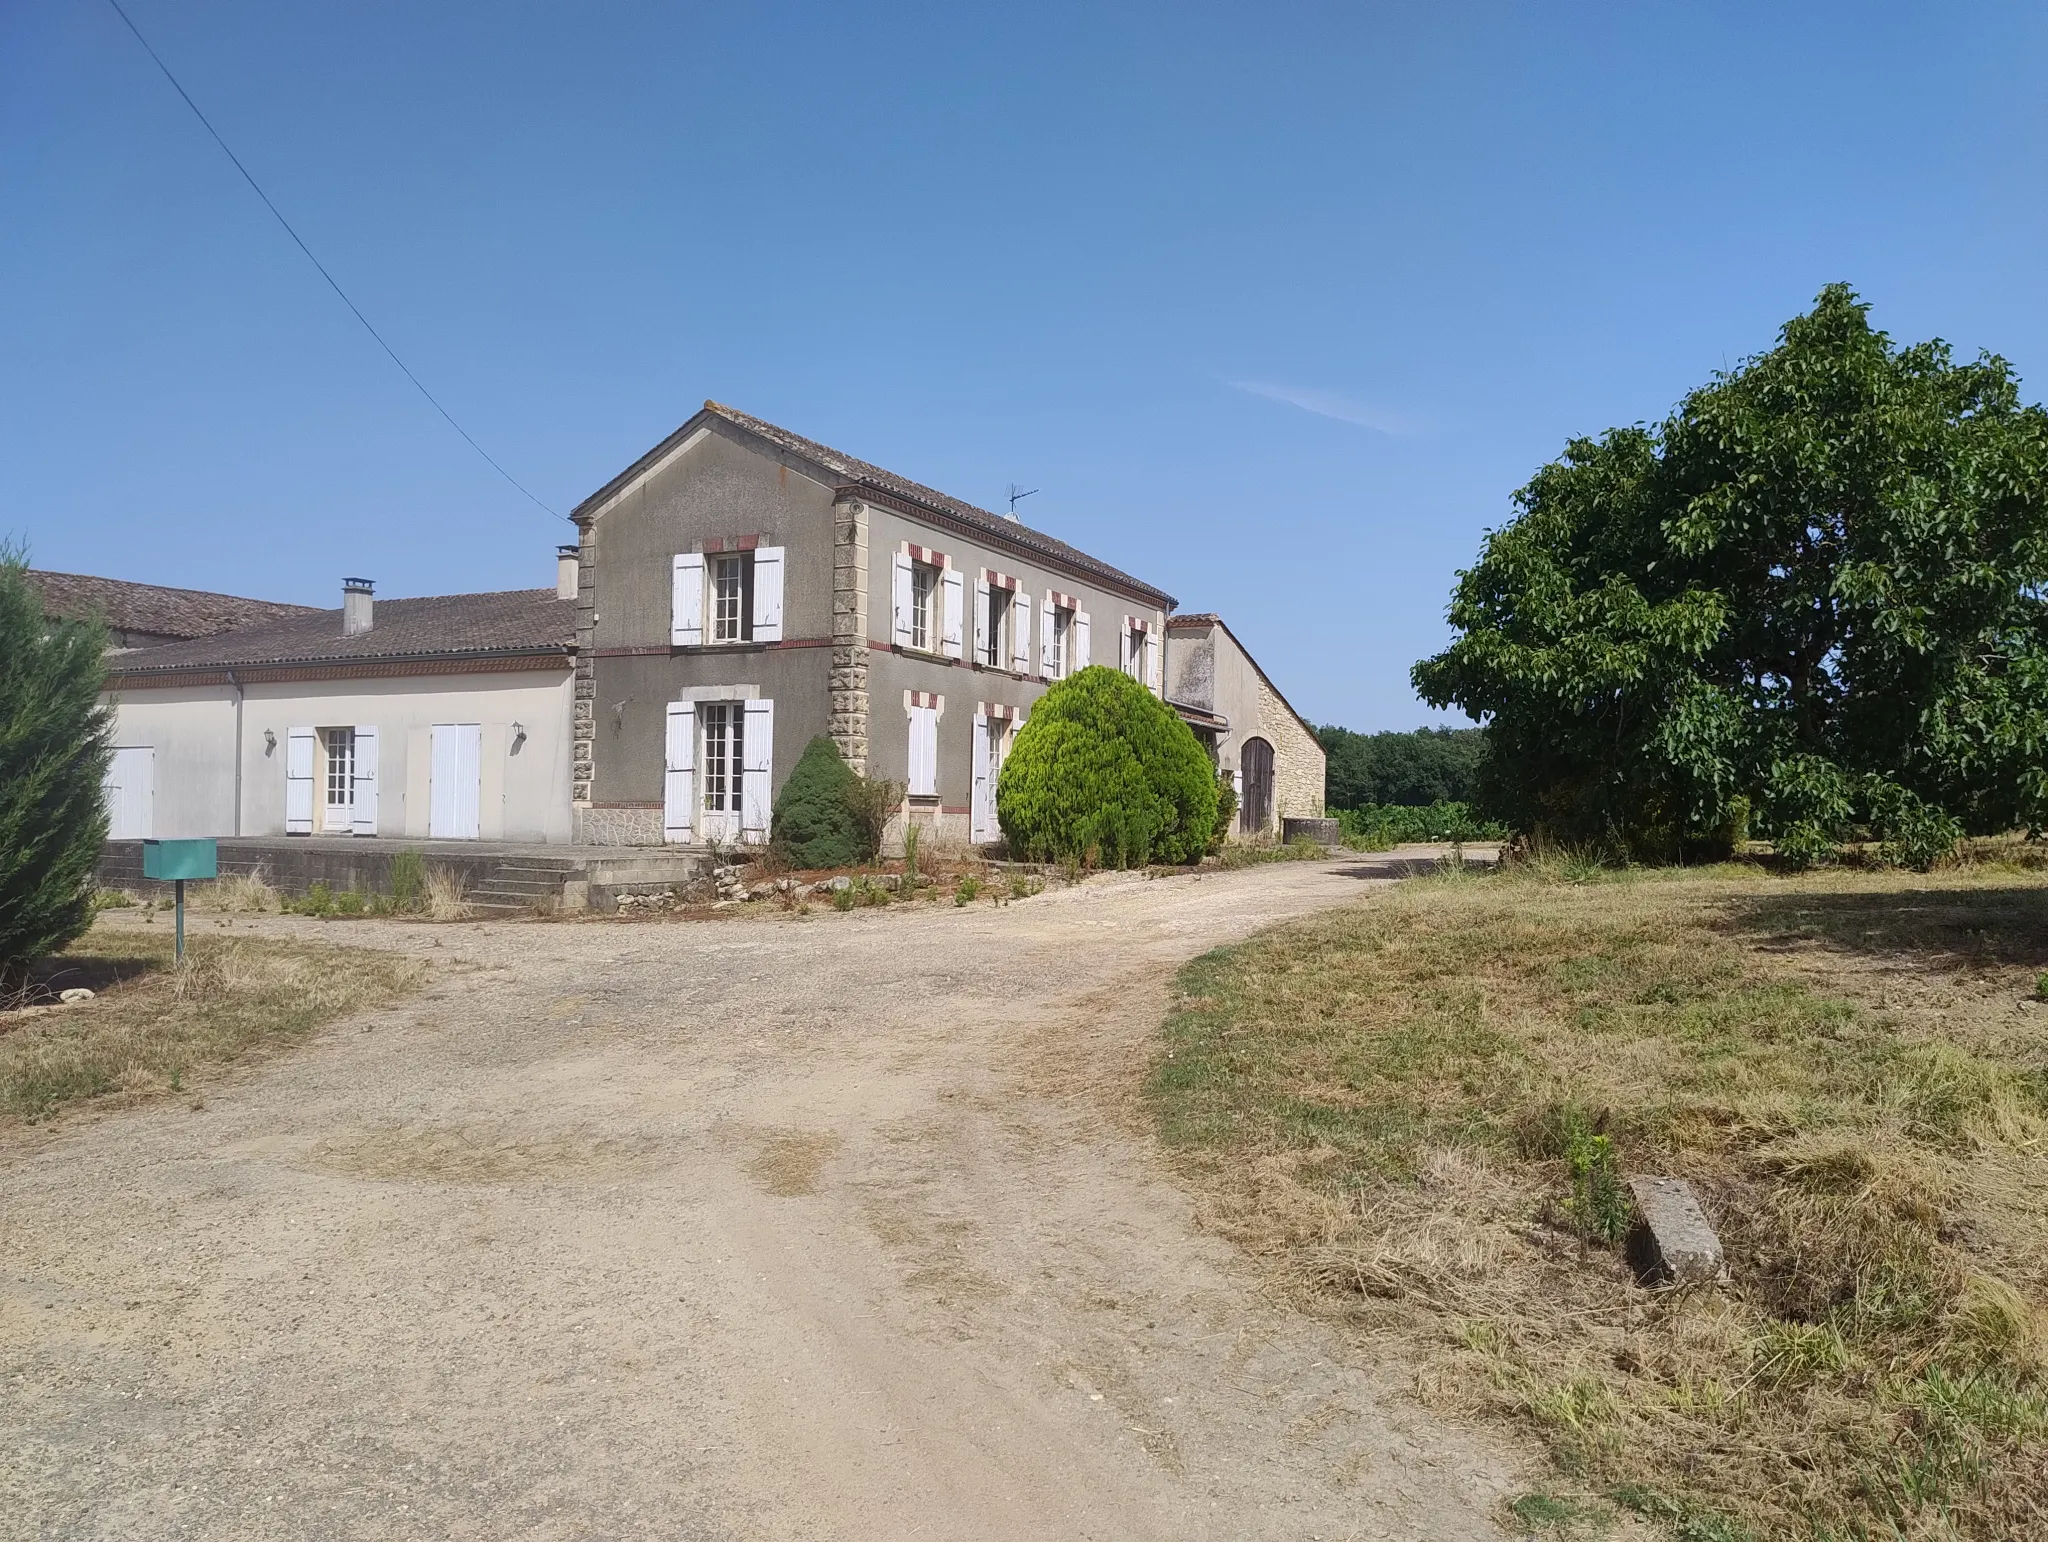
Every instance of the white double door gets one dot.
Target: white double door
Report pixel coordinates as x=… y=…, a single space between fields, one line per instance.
x=455 y=786
x=720 y=771
x=991 y=746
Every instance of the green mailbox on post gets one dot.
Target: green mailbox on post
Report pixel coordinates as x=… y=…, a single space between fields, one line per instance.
x=181 y=859
x=177 y=861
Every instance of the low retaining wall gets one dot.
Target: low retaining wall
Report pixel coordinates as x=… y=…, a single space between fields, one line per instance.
x=293 y=867
x=1324 y=832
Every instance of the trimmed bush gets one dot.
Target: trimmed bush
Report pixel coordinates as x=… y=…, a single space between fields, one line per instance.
x=1103 y=772
x=54 y=748
x=816 y=822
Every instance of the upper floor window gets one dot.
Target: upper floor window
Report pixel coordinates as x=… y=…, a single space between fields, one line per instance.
x=1059 y=652
x=1134 y=652
x=924 y=607
x=998 y=628
x=732 y=597
x=721 y=596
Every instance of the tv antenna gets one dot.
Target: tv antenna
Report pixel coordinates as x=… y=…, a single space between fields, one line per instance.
x=1017 y=492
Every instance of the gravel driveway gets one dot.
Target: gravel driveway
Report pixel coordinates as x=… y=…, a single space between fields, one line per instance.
x=842 y=1226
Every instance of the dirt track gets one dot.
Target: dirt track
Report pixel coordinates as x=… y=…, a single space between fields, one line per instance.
x=778 y=1228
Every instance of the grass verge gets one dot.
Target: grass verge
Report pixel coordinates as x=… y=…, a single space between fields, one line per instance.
x=1416 y=1108
x=155 y=1024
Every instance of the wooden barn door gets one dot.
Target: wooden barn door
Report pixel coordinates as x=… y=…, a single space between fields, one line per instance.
x=1255 y=797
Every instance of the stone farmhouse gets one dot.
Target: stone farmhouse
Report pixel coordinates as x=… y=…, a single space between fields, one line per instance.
x=733 y=593
x=744 y=589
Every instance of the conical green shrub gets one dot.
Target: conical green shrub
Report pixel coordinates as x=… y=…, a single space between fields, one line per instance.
x=55 y=741
x=814 y=823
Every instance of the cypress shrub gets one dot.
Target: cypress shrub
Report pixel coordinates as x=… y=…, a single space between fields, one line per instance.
x=1104 y=772
x=55 y=742
x=816 y=820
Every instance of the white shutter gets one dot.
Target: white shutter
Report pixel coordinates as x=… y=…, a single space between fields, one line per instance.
x=757 y=786
x=1020 y=633
x=1047 y=616
x=924 y=752
x=768 y=594
x=955 y=590
x=686 y=601
x=1152 y=663
x=1080 y=639
x=679 y=780
x=981 y=621
x=977 y=812
x=364 y=789
x=298 y=781
x=900 y=604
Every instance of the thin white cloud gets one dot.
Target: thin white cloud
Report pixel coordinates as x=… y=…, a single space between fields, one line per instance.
x=1332 y=404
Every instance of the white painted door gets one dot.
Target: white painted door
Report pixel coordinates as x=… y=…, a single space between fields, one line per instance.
x=721 y=769
x=131 y=794
x=455 y=793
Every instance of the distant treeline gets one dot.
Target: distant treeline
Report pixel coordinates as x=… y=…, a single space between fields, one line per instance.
x=1428 y=766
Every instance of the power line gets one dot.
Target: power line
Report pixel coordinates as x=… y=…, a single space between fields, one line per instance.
x=317 y=263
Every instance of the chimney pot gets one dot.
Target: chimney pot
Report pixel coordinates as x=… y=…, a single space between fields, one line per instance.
x=357 y=615
x=568 y=561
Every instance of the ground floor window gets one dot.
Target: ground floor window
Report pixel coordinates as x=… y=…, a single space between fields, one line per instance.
x=725 y=755
x=339 y=808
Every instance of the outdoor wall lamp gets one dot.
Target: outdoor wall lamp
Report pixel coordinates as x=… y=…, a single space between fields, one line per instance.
x=518 y=736
x=269 y=741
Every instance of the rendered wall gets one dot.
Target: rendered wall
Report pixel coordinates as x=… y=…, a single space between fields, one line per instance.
x=525 y=784
x=192 y=732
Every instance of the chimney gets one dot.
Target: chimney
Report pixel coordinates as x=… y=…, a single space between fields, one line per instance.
x=355 y=606
x=568 y=559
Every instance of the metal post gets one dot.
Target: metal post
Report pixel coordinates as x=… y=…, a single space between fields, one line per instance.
x=181 y=920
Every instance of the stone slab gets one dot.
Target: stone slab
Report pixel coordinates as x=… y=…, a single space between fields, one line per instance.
x=1671 y=1242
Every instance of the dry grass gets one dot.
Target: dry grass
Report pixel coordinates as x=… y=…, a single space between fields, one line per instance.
x=157 y=1024
x=790 y=1163
x=239 y=892
x=1378 y=1100
x=446 y=889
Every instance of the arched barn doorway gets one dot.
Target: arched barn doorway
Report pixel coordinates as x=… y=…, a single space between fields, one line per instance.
x=1255 y=800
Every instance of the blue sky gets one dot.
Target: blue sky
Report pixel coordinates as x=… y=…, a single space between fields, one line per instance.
x=1277 y=305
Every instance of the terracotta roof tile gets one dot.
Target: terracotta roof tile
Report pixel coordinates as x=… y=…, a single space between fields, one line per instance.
x=181 y=613
x=504 y=621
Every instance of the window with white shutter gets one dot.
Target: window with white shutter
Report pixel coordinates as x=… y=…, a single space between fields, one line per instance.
x=983 y=617
x=1081 y=656
x=981 y=806
x=364 y=821
x=1051 y=633
x=298 y=780
x=900 y=625
x=923 y=779
x=757 y=790
x=768 y=594
x=1020 y=628
x=679 y=781
x=952 y=625
x=686 y=601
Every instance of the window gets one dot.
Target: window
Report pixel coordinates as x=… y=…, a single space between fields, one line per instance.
x=732 y=598
x=1060 y=650
x=340 y=744
x=924 y=607
x=725 y=733
x=1134 y=652
x=996 y=646
x=923 y=781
